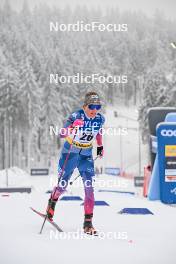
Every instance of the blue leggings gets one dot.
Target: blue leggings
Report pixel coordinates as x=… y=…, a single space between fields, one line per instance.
x=85 y=165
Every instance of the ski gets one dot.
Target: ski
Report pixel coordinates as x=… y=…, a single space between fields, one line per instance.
x=51 y=222
x=54 y=224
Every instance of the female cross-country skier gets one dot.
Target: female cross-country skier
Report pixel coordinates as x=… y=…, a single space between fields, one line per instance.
x=80 y=129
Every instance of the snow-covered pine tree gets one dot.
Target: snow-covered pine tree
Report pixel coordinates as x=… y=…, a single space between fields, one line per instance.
x=155 y=95
x=30 y=95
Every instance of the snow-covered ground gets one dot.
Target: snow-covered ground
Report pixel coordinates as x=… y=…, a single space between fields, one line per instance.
x=16 y=178
x=123 y=238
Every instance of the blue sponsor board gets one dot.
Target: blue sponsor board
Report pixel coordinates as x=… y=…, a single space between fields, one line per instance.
x=112 y=171
x=142 y=211
x=166 y=134
x=71 y=198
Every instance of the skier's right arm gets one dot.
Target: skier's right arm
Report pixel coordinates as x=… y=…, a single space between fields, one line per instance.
x=72 y=122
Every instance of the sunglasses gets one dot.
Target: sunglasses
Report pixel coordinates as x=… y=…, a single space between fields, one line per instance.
x=93 y=107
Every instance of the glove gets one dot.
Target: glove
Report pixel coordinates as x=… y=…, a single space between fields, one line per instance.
x=100 y=151
x=78 y=122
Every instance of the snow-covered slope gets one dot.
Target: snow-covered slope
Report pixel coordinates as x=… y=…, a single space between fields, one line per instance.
x=123 y=238
x=16 y=178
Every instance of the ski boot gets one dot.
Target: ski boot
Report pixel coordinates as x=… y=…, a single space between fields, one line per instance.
x=50 y=209
x=87 y=226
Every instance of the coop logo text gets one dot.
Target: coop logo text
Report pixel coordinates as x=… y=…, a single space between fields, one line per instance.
x=168 y=133
x=173 y=191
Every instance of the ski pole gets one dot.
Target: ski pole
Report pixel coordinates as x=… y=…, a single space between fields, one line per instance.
x=80 y=174
x=63 y=168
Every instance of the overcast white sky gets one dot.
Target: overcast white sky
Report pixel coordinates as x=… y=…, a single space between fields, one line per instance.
x=147 y=6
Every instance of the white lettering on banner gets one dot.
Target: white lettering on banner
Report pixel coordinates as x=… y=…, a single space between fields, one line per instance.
x=173 y=191
x=168 y=133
